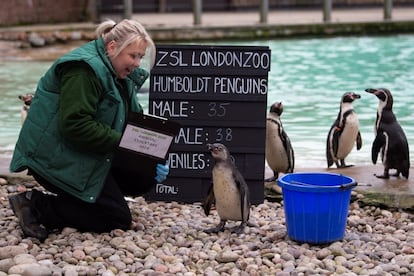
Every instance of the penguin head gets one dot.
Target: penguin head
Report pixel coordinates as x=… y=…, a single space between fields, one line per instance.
x=27 y=98
x=349 y=97
x=219 y=151
x=384 y=96
x=277 y=108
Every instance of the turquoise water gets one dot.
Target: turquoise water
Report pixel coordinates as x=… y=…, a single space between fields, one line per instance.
x=308 y=75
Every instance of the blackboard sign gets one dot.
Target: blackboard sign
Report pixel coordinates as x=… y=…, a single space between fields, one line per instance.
x=218 y=94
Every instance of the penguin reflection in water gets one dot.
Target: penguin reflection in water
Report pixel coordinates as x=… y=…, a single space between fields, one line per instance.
x=344 y=132
x=390 y=138
x=279 y=152
x=229 y=191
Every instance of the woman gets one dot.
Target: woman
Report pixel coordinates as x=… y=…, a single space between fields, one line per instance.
x=71 y=133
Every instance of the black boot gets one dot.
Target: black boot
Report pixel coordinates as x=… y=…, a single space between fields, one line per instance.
x=23 y=209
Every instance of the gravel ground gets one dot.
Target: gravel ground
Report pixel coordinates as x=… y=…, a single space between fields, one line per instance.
x=168 y=239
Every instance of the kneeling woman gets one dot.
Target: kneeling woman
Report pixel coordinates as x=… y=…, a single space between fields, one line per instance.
x=73 y=128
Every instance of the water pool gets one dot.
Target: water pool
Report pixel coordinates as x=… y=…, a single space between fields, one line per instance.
x=308 y=75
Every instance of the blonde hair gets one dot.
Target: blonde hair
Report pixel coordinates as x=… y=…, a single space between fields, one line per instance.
x=124 y=33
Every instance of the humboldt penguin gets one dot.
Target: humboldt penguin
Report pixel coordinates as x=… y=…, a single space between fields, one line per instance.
x=344 y=133
x=390 y=139
x=229 y=191
x=279 y=152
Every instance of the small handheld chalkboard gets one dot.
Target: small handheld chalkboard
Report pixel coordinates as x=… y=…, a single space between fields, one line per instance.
x=145 y=142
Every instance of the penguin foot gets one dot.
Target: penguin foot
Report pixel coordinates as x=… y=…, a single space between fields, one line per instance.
x=239 y=229
x=383 y=176
x=397 y=174
x=347 y=166
x=218 y=228
x=271 y=179
x=342 y=165
x=212 y=230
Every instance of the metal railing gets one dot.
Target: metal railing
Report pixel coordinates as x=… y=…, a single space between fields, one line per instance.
x=263 y=10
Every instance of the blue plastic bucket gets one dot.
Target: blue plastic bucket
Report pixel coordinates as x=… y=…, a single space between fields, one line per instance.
x=316 y=205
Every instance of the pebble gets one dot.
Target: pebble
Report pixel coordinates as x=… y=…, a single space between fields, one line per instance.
x=167 y=239
x=36 y=40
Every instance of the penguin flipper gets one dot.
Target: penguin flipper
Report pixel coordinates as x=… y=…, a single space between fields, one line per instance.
x=330 y=145
x=335 y=139
x=289 y=150
x=285 y=139
x=208 y=200
x=359 y=141
x=244 y=195
x=329 y=158
x=378 y=143
x=291 y=160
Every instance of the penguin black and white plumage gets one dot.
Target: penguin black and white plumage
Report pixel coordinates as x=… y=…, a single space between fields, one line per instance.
x=344 y=132
x=229 y=191
x=390 y=139
x=27 y=101
x=279 y=151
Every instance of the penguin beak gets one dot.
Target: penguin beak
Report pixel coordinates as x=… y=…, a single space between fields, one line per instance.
x=379 y=93
x=356 y=96
x=371 y=90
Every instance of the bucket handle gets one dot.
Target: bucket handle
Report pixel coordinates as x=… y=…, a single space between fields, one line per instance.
x=348 y=185
x=343 y=186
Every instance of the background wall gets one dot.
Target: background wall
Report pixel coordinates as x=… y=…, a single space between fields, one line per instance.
x=17 y=12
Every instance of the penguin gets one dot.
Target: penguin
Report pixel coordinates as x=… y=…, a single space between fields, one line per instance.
x=390 y=139
x=279 y=151
x=344 y=132
x=27 y=101
x=229 y=191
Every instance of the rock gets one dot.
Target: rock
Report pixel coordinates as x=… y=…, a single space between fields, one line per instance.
x=76 y=35
x=12 y=250
x=36 y=40
x=6 y=264
x=24 y=259
x=323 y=253
x=32 y=269
x=78 y=254
x=226 y=256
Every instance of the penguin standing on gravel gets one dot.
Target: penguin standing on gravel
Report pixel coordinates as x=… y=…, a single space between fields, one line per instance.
x=279 y=152
x=390 y=139
x=343 y=133
x=229 y=191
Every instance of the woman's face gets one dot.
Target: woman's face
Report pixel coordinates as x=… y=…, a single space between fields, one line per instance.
x=128 y=59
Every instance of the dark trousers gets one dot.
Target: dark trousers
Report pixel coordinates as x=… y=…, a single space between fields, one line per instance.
x=110 y=211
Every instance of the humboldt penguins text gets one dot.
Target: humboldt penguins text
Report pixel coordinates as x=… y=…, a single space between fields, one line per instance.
x=205 y=84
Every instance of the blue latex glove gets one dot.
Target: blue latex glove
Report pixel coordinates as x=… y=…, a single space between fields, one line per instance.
x=162 y=172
